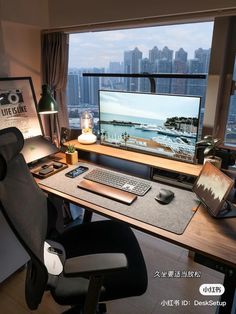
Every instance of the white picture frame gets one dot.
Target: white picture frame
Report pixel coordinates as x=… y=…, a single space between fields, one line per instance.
x=18 y=106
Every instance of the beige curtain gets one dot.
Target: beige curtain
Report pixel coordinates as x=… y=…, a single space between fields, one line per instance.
x=55 y=47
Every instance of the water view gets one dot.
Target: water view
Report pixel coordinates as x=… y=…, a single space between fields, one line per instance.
x=150 y=135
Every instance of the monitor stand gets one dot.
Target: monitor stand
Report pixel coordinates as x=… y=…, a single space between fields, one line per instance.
x=228 y=211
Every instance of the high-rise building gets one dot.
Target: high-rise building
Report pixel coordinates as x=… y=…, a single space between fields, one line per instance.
x=178 y=86
x=132 y=60
x=181 y=55
x=115 y=67
x=127 y=68
x=164 y=84
x=89 y=87
x=167 y=54
x=145 y=67
x=73 y=89
x=196 y=86
x=195 y=66
x=94 y=85
x=164 y=65
x=115 y=82
x=84 y=88
x=82 y=91
x=203 y=55
x=154 y=56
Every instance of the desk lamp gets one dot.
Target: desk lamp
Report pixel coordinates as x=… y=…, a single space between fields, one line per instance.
x=86 y=124
x=47 y=104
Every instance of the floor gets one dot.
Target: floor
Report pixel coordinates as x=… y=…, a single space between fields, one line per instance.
x=164 y=295
x=168 y=295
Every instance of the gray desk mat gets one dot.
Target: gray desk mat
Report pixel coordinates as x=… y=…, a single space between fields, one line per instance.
x=173 y=217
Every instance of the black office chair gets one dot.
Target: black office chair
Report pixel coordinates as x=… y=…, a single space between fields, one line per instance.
x=87 y=264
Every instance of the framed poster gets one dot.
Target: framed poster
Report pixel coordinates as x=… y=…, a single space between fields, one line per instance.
x=18 y=106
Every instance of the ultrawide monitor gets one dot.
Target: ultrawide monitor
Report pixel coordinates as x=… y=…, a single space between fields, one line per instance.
x=164 y=125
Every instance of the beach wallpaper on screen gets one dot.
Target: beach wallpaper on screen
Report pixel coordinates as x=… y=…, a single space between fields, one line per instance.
x=165 y=125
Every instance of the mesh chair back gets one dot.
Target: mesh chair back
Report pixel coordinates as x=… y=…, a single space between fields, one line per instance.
x=25 y=208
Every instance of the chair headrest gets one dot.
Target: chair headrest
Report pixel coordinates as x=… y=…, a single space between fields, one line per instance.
x=11 y=143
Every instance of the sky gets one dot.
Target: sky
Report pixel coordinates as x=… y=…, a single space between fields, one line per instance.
x=97 y=49
x=159 y=106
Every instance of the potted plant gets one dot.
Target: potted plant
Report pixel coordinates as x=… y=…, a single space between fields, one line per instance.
x=210 y=143
x=71 y=155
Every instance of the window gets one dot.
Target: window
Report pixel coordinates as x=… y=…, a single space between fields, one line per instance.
x=182 y=48
x=230 y=132
x=224 y=55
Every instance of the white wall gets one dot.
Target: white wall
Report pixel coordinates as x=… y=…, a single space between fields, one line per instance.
x=75 y=12
x=21 y=22
x=22 y=51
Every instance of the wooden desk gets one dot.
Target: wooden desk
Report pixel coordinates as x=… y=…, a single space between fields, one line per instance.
x=212 y=238
x=204 y=234
x=145 y=159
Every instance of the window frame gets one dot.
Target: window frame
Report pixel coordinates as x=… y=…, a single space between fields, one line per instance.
x=225 y=88
x=219 y=77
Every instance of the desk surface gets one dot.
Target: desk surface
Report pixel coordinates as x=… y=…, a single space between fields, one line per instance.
x=206 y=235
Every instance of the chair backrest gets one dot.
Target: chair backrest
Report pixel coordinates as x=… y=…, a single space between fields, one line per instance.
x=25 y=207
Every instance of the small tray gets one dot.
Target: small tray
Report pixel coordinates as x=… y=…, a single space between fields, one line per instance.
x=35 y=170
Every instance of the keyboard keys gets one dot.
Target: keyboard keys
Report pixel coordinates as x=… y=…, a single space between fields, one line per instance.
x=119 y=181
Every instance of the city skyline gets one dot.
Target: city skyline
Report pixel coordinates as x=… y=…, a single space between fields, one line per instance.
x=112 y=63
x=98 y=49
x=83 y=90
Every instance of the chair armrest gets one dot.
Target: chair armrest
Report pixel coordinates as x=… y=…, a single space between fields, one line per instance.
x=95 y=264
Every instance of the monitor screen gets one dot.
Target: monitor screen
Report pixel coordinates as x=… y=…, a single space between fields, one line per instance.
x=36 y=148
x=212 y=187
x=164 y=125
